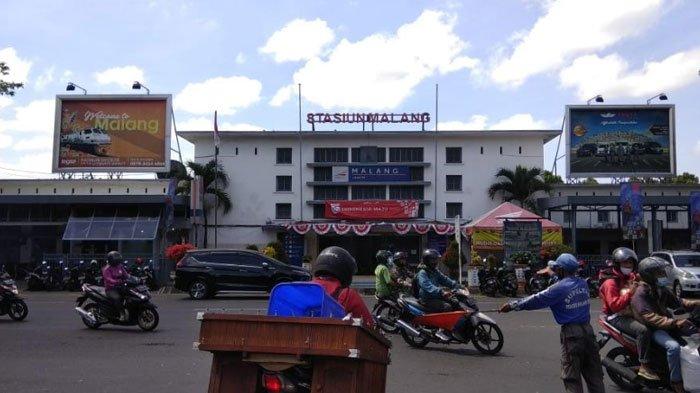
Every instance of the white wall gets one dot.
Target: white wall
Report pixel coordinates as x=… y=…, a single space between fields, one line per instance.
x=84 y=187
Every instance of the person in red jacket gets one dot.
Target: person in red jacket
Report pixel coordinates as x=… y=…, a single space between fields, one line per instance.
x=616 y=294
x=333 y=270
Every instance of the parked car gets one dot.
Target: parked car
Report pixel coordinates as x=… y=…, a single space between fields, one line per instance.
x=653 y=148
x=586 y=150
x=683 y=271
x=203 y=273
x=602 y=149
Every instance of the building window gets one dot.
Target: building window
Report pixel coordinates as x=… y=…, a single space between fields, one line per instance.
x=453 y=209
x=405 y=154
x=567 y=217
x=368 y=192
x=500 y=150
x=330 y=154
x=322 y=193
x=320 y=211
x=405 y=192
x=454 y=182
x=671 y=216
x=453 y=155
x=284 y=183
x=368 y=154
x=284 y=155
x=323 y=173
x=603 y=216
x=416 y=173
x=482 y=150
x=520 y=150
x=283 y=211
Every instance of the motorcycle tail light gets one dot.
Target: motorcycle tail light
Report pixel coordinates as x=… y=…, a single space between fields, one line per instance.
x=272 y=383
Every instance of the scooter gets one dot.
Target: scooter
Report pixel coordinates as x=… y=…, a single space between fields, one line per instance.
x=145 y=271
x=503 y=281
x=10 y=301
x=96 y=308
x=467 y=324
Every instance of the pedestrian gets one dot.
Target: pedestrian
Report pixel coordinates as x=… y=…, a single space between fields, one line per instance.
x=569 y=301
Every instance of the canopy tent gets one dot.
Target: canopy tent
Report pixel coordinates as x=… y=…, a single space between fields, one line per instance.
x=486 y=231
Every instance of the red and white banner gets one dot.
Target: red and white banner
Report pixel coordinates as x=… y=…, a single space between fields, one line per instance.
x=371 y=209
x=443 y=229
x=322 y=229
x=361 y=229
x=341 y=229
x=421 y=229
x=301 y=227
x=401 y=228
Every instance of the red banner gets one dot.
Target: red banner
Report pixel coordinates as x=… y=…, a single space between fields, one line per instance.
x=364 y=209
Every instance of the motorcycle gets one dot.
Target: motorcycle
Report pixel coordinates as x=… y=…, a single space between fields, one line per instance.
x=96 y=308
x=622 y=362
x=10 y=301
x=467 y=324
x=503 y=281
x=144 y=271
x=45 y=278
x=592 y=280
x=92 y=276
x=75 y=278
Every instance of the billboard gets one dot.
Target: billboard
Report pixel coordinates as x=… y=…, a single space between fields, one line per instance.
x=371 y=209
x=620 y=140
x=112 y=133
x=522 y=236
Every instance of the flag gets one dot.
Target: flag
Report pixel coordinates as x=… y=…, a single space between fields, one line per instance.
x=217 y=138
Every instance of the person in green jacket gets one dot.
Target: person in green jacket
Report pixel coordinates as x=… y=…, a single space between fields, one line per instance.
x=383 y=282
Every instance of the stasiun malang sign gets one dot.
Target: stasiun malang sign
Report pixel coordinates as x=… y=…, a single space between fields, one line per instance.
x=374 y=118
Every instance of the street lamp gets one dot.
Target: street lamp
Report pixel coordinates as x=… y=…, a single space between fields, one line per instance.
x=661 y=96
x=597 y=98
x=71 y=87
x=138 y=85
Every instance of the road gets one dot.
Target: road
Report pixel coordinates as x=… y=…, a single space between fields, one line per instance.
x=53 y=352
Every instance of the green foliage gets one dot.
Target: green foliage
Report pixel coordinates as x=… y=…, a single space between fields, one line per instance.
x=7 y=88
x=476 y=258
x=270 y=252
x=550 y=178
x=683 y=178
x=522 y=257
x=451 y=257
x=280 y=254
x=519 y=185
x=252 y=247
x=590 y=180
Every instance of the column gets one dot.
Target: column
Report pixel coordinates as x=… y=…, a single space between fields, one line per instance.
x=574 y=218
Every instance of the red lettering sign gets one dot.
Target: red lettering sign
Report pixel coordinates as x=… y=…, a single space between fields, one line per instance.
x=371 y=209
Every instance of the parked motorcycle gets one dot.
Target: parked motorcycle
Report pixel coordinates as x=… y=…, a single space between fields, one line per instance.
x=75 y=277
x=45 y=278
x=622 y=362
x=502 y=281
x=92 y=275
x=419 y=327
x=10 y=301
x=141 y=270
x=96 y=309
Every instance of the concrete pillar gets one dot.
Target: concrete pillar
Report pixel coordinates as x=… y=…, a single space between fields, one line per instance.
x=654 y=229
x=574 y=218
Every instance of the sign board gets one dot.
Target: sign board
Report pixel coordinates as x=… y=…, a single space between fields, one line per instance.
x=371 y=209
x=370 y=174
x=521 y=236
x=112 y=133
x=348 y=118
x=632 y=211
x=620 y=140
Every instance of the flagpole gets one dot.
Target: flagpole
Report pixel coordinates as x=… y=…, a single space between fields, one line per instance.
x=216 y=183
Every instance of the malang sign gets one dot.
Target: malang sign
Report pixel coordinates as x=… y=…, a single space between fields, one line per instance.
x=370 y=209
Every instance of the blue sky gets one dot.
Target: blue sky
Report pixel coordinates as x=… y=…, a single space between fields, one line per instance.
x=506 y=64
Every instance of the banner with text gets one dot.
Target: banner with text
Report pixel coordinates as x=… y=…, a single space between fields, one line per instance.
x=371 y=209
x=632 y=209
x=379 y=173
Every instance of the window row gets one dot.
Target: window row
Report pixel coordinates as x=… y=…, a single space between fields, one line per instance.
x=325 y=173
x=603 y=216
x=322 y=193
x=368 y=154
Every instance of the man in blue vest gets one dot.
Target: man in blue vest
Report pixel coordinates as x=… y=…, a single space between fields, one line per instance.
x=569 y=301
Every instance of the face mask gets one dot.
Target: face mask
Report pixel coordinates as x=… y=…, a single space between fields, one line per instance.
x=662 y=281
x=626 y=270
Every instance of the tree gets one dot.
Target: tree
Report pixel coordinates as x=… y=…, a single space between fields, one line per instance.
x=550 y=178
x=214 y=180
x=7 y=88
x=685 y=178
x=590 y=180
x=519 y=185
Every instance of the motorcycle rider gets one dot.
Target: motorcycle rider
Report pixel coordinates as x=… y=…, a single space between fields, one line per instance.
x=383 y=281
x=114 y=276
x=333 y=270
x=401 y=274
x=432 y=283
x=569 y=301
x=650 y=304
x=616 y=294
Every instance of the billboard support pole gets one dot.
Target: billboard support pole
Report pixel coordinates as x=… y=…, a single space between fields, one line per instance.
x=177 y=139
x=556 y=154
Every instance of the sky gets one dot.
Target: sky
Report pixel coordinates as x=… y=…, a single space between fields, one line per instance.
x=502 y=64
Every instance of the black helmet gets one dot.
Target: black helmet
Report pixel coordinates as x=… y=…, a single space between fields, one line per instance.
x=94 y=264
x=400 y=257
x=114 y=258
x=337 y=262
x=622 y=254
x=430 y=257
x=382 y=257
x=649 y=267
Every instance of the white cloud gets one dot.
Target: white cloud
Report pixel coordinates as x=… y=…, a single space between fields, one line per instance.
x=121 y=76
x=570 y=28
x=610 y=75
x=19 y=68
x=66 y=76
x=283 y=95
x=520 y=121
x=299 y=40
x=225 y=94
x=33 y=165
x=37 y=116
x=240 y=58
x=5 y=141
x=5 y=101
x=380 y=71
x=42 y=142
x=45 y=78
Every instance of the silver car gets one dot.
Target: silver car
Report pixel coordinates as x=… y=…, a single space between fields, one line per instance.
x=683 y=271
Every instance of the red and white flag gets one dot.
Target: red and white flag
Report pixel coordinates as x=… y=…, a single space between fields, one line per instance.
x=217 y=138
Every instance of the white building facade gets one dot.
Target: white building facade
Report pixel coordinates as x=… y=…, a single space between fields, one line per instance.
x=280 y=178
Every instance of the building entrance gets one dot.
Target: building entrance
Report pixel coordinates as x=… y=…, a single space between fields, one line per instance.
x=364 y=248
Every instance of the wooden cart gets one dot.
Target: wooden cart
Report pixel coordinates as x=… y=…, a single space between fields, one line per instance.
x=346 y=357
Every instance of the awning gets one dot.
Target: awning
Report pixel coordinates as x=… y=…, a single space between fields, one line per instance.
x=111 y=228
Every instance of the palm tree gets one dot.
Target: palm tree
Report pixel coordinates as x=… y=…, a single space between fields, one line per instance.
x=519 y=185
x=215 y=181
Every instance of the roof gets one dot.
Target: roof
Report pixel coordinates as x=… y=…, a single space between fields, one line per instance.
x=547 y=135
x=494 y=218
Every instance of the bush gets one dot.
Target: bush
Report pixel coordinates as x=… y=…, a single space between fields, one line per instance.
x=270 y=252
x=451 y=257
x=252 y=247
x=553 y=251
x=280 y=254
x=522 y=258
x=476 y=259
x=175 y=252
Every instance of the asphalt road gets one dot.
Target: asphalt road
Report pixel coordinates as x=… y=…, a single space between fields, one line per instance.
x=53 y=352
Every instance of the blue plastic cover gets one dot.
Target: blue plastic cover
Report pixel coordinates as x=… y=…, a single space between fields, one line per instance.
x=303 y=299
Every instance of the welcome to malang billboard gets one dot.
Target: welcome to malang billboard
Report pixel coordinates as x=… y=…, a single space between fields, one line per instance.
x=620 y=140
x=112 y=133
